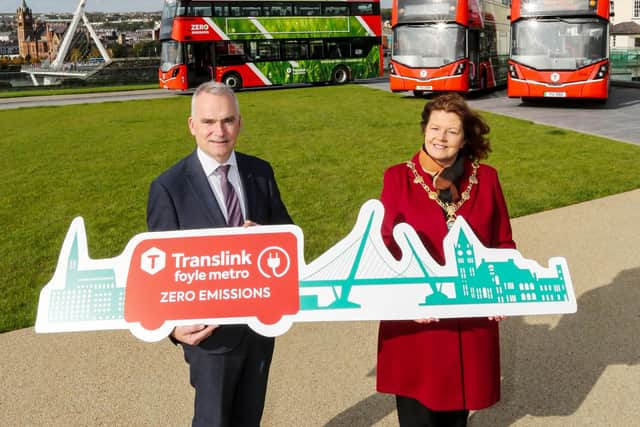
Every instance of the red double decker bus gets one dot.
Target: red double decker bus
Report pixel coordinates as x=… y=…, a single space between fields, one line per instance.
x=449 y=45
x=252 y=43
x=559 y=49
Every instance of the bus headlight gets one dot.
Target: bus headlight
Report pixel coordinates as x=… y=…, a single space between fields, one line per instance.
x=602 y=71
x=459 y=69
x=175 y=72
x=392 y=70
x=512 y=71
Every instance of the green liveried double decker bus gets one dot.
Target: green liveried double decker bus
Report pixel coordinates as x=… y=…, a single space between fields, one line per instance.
x=264 y=43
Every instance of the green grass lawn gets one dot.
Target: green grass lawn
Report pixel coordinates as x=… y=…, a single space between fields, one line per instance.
x=20 y=93
x=329 y=147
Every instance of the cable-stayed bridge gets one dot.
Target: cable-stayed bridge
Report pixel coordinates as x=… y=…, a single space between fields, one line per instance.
x=80 y=44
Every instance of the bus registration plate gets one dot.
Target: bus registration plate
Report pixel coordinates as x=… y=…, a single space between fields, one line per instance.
x=555 y=94
x=418 y=87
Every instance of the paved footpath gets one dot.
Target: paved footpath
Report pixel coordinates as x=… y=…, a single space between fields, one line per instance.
x=574 y=370
x=83 y=98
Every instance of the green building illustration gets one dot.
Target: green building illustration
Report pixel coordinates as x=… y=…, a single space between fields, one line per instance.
x=496 y=282
x=88 y=295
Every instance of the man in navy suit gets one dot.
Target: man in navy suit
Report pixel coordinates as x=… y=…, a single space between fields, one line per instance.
x=229 y=365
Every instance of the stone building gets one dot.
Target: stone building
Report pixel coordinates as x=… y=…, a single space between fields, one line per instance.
x=37 y=40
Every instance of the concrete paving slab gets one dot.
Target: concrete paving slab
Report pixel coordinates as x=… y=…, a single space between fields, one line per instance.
x=573 y=370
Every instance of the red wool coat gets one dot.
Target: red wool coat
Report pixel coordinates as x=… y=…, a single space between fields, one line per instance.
x=455 y=363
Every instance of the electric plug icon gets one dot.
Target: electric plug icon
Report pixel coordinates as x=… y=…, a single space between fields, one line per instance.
x=273 y=262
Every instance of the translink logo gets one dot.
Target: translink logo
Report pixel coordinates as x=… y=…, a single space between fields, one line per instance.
x=153 y=260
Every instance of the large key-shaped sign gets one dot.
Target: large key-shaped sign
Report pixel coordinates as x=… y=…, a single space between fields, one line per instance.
x=257 y=276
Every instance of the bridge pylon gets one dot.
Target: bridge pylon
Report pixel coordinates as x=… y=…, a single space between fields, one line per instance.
x=55 y=71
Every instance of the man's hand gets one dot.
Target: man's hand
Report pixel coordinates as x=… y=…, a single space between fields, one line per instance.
x=193 y=334
x=427 y=320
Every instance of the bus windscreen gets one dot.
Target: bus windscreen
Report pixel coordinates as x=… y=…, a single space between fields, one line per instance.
x=428 y=45
x=559 y=44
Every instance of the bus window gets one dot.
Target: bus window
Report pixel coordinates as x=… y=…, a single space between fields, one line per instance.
x=360 y=47
x=316 y=49
x=250 y=10
x=268 y=50
x=335 y=10
x=171 y=55
x=296 y=49
x=309 y=9
x=166 y=25
x=235 y=10
x=236 y=48
x=196 y=9
x=338 y=50
x=428 y=46
x=230 y=53
x=277 y=9
x=220 y=9
x=362 y=9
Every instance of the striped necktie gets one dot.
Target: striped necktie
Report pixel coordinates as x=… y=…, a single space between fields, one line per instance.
x=234 y=212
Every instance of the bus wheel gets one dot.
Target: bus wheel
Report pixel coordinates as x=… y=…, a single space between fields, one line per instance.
x=339 y=75
x=233 y=80
x=418 y=93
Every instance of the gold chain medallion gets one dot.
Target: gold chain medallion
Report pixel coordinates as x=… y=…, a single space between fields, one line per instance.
x=449 y=208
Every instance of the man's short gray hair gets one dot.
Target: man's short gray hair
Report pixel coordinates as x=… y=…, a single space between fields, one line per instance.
x=214 y=88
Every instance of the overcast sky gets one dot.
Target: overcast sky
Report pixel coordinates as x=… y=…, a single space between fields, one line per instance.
x=37 y=6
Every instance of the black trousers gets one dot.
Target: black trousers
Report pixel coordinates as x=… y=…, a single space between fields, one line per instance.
x=412 y=413
x=230 y=387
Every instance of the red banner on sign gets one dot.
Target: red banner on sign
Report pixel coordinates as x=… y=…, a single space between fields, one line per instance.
x=178 y=278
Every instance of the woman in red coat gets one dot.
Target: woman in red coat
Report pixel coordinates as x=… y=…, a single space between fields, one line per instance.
x=441 y=369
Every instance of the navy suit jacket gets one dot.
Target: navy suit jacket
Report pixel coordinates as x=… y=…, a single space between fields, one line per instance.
x=181 y=199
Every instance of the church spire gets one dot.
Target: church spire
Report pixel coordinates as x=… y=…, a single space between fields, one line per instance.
x=23 y=4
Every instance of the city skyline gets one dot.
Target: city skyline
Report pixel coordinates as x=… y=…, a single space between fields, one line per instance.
x=69 y=6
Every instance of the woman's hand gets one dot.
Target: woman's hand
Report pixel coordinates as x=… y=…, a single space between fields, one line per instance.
x=497 y=318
